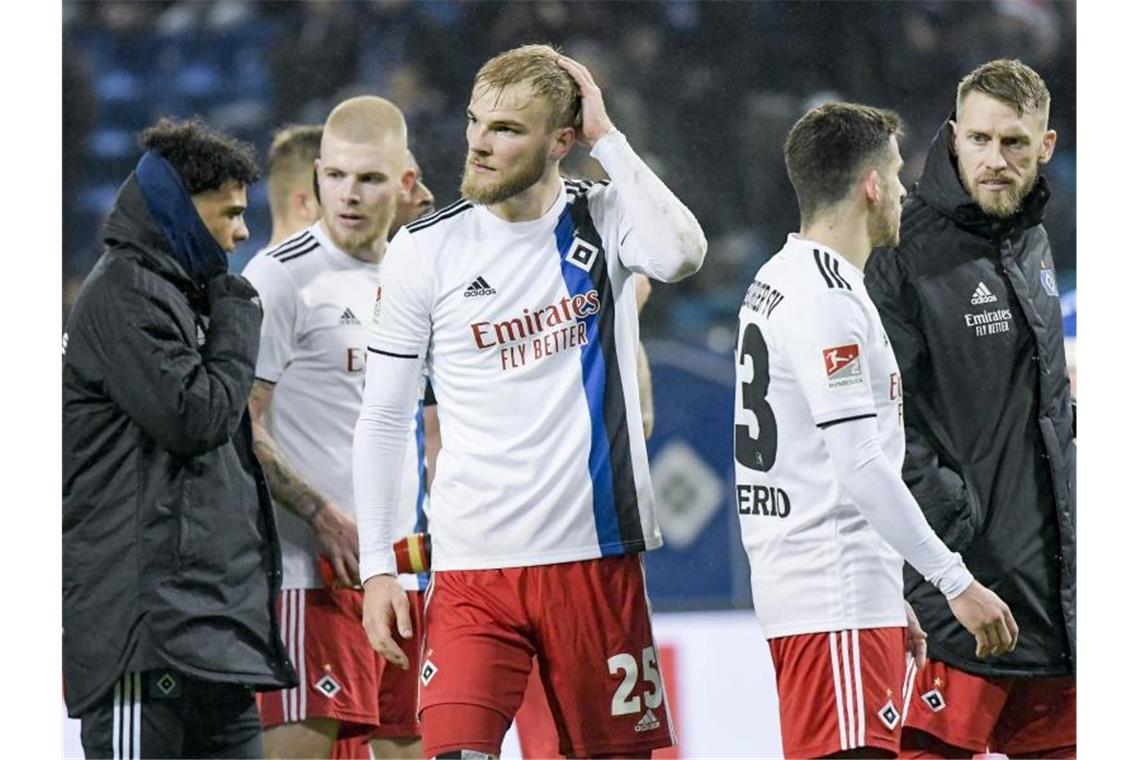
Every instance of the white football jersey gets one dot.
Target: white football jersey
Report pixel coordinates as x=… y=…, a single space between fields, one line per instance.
x=317 y=302
x=529 y=333
x=811 y=352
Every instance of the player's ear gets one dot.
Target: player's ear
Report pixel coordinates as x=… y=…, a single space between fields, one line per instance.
x=304 y=204
x=408 y=182
x=563 y=141
x=870 y=187
x=1047 y=146
x=953 y=137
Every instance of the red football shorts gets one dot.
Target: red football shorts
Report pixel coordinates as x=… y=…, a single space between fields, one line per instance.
x=538 y=736
x=840 y=690
x=341 y=676
x=1016 y=716
x=400 y=689
x=587 y=623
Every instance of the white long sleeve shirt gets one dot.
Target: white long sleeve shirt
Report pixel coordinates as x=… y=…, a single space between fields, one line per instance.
x=528 y=332
x=824 y=514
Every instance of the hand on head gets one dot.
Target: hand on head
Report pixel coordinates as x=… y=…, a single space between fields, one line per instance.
x=596 y=123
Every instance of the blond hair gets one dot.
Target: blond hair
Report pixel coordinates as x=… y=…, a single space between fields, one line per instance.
x=290 y=163
x=367 y=119
x=537 y=65
x=1011 y=82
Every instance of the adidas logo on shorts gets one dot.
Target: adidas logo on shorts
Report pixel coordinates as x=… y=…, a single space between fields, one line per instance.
x=478 y=287
x=648 y=722
x=982 y=295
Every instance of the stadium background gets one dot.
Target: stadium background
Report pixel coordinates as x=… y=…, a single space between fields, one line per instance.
x=705 y=91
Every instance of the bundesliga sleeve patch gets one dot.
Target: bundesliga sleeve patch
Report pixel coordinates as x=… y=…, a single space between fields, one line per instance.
x=843 y=365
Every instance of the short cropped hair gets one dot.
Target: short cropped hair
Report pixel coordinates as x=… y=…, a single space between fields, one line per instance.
x=289 y=164
x=538 y=65
x=1011 y=82
x=830 y=146
x=204 y=158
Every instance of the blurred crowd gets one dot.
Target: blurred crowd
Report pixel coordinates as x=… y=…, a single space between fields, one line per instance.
x=706 y=92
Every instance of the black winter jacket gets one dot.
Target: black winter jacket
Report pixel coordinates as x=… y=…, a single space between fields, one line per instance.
x=170 y=551
x=971 y=306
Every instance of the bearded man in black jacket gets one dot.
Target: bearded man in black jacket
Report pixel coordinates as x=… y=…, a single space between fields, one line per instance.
x=170 y=555
x=970 y=302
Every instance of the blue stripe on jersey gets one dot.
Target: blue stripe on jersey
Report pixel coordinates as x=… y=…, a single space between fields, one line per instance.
x=421 y=468
x=594 y=380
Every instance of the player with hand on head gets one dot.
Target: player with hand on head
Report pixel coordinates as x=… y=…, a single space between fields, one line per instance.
x=969 y=299
x=519 y=300
x=824 y=513
x=318 y=288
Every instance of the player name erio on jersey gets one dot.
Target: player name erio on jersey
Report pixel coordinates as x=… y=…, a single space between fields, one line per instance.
x=559 y=322
x=766 y=501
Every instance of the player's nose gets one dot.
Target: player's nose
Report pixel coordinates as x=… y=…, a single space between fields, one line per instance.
x=995 y=159
x=478 y=140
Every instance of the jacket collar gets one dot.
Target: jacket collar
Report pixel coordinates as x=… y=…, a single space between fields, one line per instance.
x=941 y=188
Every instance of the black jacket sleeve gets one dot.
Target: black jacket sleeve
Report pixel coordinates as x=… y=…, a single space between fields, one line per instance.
x=189 y=400
x=938 y=489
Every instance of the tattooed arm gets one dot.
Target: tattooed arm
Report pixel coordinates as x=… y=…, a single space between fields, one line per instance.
x=336 y=531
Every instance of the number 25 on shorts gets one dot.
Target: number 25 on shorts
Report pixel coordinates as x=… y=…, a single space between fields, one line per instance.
x=624 y=701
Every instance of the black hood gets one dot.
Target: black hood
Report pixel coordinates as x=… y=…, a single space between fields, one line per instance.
x=941 y=188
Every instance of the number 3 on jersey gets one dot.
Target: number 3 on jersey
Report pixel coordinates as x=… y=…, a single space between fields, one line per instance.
x=623 y=702
x=757 y=453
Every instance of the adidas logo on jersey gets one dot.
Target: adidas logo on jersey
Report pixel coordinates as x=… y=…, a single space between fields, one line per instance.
x=648 y=722
x=478 y=287
x=982 y=295
x=348 y=318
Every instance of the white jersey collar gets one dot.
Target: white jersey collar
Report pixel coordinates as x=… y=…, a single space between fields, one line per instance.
x=548 y=220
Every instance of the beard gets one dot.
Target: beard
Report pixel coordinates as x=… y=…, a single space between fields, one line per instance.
x=489 y=192
x=884 y=228
x=353 y=241
x=1002 y=204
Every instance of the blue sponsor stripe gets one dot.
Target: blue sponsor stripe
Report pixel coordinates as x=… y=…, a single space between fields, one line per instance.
x=594 y=382
x=421 y=468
